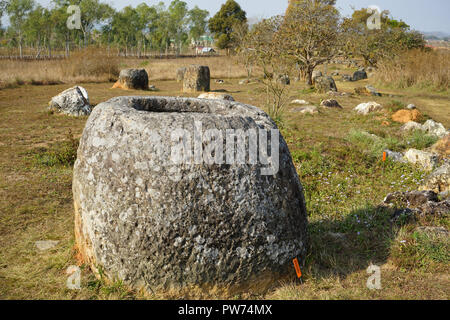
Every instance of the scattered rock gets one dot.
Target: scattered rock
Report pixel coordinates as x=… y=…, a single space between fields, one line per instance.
x=297 y=101
x=306 y=110
x=180 y=74
x=368 y=107
x=435 y=231
x=216 y=96
x=426 y=160
x=335 y=74
x=220 y=81
x=416 y=203
x=330 y=103
x=395 y=156
x=442 y=147
x=196 y=79
x=46 y=244
x=152 y=88
x=372 y=91
x=435 y=128
x=244 y=81
x=338 y=94
x=405 y=116
x=73 y=102
x=359 y=75
x=439 y=180
x=144 y=218
x=347 y=78
x=411 y=107
x=325 y=84
x=134 y=79
x=411 y=125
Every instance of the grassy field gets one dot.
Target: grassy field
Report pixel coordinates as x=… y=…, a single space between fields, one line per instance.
x=340 y=168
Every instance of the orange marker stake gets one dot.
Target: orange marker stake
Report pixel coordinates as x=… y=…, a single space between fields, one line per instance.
x=384 y=156
x=297 y=268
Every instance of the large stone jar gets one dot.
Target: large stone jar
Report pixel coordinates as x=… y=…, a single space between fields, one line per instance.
x=164 y=211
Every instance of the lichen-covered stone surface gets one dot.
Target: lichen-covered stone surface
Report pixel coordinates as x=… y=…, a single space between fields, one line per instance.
x=160 y=226
x=324 y=84
x=73 y=102
x=136 y=79
x=196 y=79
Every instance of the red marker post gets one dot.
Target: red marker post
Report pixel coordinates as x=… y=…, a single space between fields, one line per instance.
x=297 y=269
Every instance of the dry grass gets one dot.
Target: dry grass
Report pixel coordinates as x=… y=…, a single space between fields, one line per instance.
x=342 y=182
x=417 y=68
x=82 y=67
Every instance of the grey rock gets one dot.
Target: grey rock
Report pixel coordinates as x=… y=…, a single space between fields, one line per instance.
x=395 y=156
x=359 y=75
x=411 y=107
x=216 y=96
x=330 y=103
x=426 y=160
x=73 y=102
x=368 y=107
x=372 y=91
x=439 y=180
x=146 y=220
x=411 y=125
x=325 y=84
x=435 y=128
x=136 y=79
x=196 y=79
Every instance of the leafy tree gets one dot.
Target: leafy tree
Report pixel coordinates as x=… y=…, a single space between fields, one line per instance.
x=221 y=25
x=178 y=19
x=18 y=11
x=310 y=34
x=393 y=37
x=263 y=47
x=197 y=22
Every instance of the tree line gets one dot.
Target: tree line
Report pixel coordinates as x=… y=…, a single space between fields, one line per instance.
x=137 y=29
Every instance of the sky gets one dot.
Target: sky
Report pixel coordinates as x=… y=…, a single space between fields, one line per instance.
x=422 y=15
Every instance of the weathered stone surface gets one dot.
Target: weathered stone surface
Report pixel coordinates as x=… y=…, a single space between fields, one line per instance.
x=435 y=128
x=134 y=79
x=426 y=160
x=411 y=125
x=416 y=203
x=330 y=103
x=146 y=220
x=216 y=96
x=359 y=75
x=368 y=107
x=306 y=110
x=298 y=101
x=442 y=147
x=372 y=91
x=325 y=84
x=405 y=116
x=395 y=156
x=180 y=74
x=411 y=107
x=196 y=79
x=73 y=102
x=439 y=180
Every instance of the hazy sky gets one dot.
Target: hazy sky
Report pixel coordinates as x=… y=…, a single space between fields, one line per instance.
x=423 y=15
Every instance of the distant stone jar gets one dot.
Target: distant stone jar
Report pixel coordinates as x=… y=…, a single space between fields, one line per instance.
x=183 y=226
x=136 y=79
x=325 y=84
x=196 y=79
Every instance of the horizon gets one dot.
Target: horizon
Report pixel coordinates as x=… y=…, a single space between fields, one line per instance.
x=437 y=19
